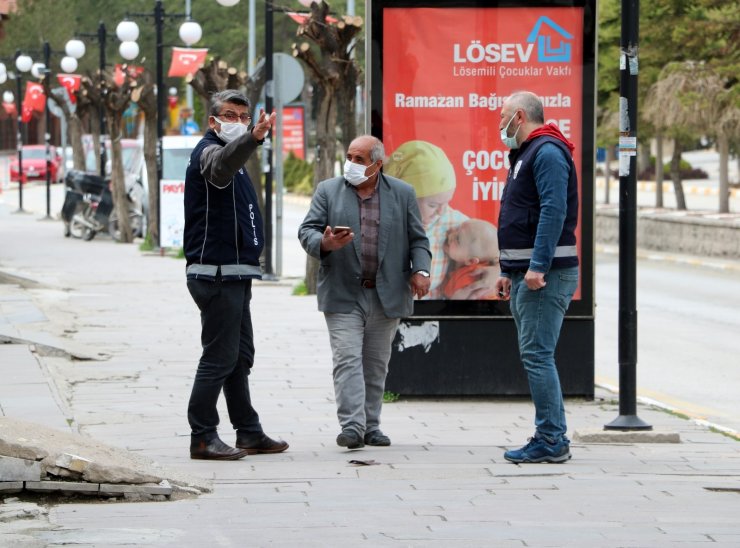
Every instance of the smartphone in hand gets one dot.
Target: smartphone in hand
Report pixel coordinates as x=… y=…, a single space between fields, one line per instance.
x=339 y=230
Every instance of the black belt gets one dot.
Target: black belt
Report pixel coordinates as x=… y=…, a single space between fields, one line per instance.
x=367 y=283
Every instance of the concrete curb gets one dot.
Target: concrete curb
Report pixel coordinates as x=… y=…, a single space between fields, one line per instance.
x=675 y=411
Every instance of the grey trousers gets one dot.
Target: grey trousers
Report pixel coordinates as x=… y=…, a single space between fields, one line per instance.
x=361 y=348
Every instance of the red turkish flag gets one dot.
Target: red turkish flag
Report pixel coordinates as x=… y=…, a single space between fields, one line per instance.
x=26 y=113
x=186 y=61
x=35 y=98
x=132 y=70
x=9 y=109
x=301 y=18
x=70 y=82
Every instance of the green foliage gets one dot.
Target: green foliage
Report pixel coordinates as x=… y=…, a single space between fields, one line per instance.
x=225 y=30
x=298 y=175
x=671 y=31
x=300 y=290
x=147 y=244
x=390 y=397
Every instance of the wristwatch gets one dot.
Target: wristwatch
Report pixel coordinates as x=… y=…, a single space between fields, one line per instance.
x=423 y=273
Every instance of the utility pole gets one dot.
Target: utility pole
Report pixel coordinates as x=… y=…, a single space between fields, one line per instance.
x=628 y=69
x=269 y=89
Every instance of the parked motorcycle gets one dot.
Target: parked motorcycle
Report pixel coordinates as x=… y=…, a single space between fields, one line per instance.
x=88 y=206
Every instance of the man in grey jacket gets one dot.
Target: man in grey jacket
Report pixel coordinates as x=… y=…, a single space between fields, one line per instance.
x=366 y=230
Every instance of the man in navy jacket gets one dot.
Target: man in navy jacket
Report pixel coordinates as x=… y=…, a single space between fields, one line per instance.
x=223 y=240
x=539 y=260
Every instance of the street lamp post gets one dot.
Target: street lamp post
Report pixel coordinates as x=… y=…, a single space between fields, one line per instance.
x=23 y=63
x=42 y=71
x=47 y=133
x=128 y=32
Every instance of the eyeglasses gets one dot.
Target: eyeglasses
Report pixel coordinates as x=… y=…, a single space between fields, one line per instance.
x=231 y=116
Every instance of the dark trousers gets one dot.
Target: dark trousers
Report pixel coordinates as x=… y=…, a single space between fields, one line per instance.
x=228 y=356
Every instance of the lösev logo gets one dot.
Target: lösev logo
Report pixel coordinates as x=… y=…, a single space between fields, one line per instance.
x=552 y=41
x=546 y=52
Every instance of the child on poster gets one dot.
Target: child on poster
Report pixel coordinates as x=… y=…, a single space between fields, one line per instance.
x=471 y=246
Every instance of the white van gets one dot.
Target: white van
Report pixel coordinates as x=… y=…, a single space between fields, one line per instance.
x=176 y=150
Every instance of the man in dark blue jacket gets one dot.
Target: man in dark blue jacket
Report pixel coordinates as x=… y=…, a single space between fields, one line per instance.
x=223 y=240
x=539 y=260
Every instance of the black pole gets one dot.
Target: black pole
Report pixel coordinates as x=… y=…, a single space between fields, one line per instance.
x=47 y=133
x=19 y=139
x=158 y=24
x=628 y=419
x=269 y=84
x=101 y=106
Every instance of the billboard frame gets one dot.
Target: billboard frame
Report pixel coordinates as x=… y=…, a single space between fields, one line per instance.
x=582 y=308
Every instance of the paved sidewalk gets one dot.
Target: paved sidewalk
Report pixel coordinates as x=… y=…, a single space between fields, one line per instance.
x=116 y=343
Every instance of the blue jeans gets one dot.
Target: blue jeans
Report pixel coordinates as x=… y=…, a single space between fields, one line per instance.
x=361 y=349
x=538 y=316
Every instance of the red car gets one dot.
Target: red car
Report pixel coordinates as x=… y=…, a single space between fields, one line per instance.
x=34 y=164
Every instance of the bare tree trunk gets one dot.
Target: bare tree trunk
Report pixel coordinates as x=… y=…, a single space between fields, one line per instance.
x=643 y=157
x=676 y=176
x=659 y=175
x=116 y=100
x=346 y=101
x=724 y=175
x=89 y=104
x=145 y=97
x=326 y=149
x=334 y=76
x=114 y=121
x=608 y=172
x=254 y=85
x=74 y=126
x=217 y=76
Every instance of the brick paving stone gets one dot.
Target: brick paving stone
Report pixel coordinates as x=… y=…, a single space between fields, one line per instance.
x=443 y=482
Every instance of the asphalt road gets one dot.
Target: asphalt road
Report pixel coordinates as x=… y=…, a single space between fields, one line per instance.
x=688 y=348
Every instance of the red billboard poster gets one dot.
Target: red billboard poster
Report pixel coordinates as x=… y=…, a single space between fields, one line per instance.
x=294 y=139
x=445 y=73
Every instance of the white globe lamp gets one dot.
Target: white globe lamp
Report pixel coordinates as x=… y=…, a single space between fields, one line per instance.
x=8 y=97
x=23 y=63
x=129 y=50
x=68 y=64
x=75 y=48
x=228 y=3
x=190 y=32
x=127 y=31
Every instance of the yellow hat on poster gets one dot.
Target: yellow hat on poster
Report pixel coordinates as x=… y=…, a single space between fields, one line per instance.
x=424 y=166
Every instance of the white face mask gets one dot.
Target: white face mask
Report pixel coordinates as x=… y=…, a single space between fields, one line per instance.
x=510 y=142
x=230 y=130
x=355 y=173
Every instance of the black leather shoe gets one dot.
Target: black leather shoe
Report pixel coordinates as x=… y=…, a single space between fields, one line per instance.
x=377 y=438
x=215 y=449
x=259 y=443
x=349 y=439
